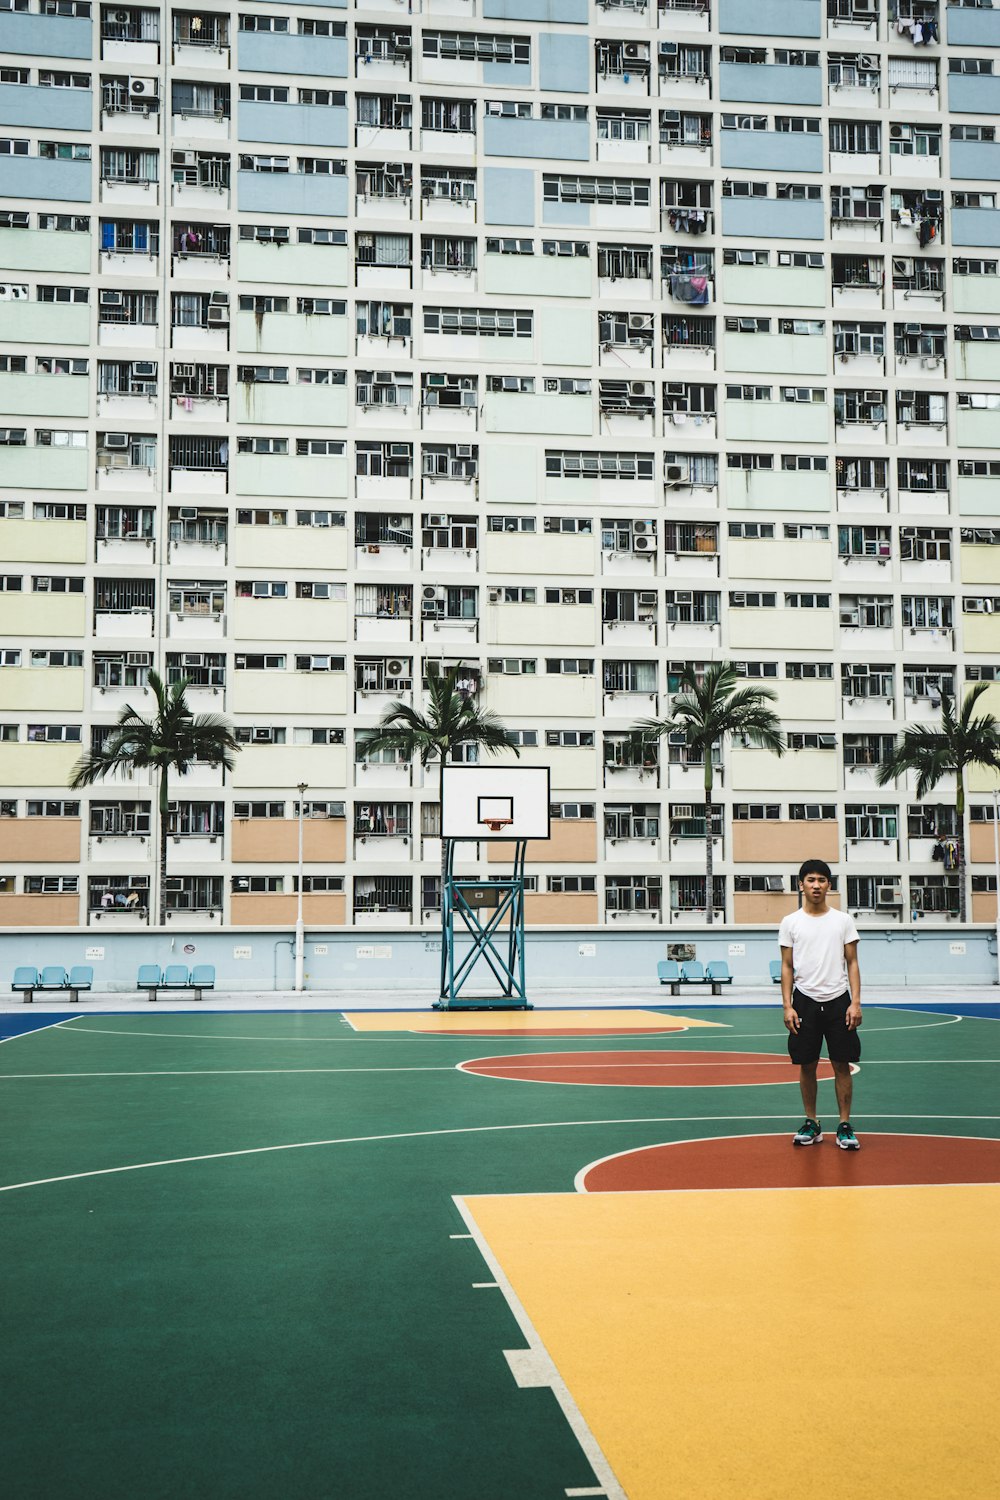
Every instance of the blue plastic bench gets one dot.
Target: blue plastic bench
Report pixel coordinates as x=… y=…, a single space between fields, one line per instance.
x=668 y=972
x=52 y=978
x=175 y=977
x=717 y=972
x=775 y=968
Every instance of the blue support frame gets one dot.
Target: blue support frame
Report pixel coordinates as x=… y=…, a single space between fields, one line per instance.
x=498 y=941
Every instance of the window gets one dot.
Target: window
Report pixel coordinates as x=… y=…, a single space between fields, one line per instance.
x=50 y=733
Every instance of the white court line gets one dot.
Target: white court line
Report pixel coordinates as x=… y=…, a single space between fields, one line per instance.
x=411 y=1135
x=74 y=1028
x=46 y=1026
x=578 y=1426
x=881 y=1062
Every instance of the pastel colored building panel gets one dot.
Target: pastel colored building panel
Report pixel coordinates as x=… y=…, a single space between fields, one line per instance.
x=42 y=616
x=306 y=620
x=508 y=195
x=40 y=840
x=295 y=477
x=276 y=840
x=564 y=62
x=783 y=843
x=43 y=541
x=279 y=767
x=42 y=688
x=308 y=265
x=796 y=771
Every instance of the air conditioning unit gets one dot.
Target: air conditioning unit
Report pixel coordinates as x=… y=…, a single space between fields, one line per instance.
x=933 y=195
x=634 y=52
x=384 y=377
x=437 y=520
x=684 y=596
x=184 y=372
x=144 y=367
x=394 y=667
x=874 y=398
x=430 y=592
x=975 y=606
x=896 y=132
x=493 y=597
x=463 y=450
x=219 y=299
x=674 y=474
x=145 y=90
x=399 y=450
x=647 y=596
x=888 y=895
x=850 y=617
x=218 y=316
x=644 y=544
x=671 y=116
x=637 y=387
x=772 y=883
x=912 y=327
x=137 y=658
x=681 y=810
x=640 y=526
x=402 y=43
x=864 y=61
x=193 y=659
x=116 y=440
x=112 y=299
x=183 y=158
x=640 y=322
x=173 y=807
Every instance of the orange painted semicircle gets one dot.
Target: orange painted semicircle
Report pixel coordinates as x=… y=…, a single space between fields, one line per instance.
x=670 y=1070
x=771 y=1161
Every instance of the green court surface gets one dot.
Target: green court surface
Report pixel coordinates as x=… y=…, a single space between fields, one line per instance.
x=233 y=1264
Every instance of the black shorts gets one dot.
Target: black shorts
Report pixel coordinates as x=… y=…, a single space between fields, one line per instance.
x=818 y=1022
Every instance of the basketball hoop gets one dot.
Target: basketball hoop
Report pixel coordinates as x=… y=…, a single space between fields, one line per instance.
x=495 y=824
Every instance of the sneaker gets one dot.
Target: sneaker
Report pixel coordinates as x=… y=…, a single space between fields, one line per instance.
x=846 y=1139
x=808 y=1133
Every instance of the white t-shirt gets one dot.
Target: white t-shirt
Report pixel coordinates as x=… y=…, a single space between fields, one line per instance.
x=817 y=945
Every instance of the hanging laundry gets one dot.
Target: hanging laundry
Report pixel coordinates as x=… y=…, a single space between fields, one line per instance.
x=685 y=288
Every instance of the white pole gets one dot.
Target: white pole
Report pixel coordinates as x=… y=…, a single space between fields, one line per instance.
x=300 y=932
x=996 y=867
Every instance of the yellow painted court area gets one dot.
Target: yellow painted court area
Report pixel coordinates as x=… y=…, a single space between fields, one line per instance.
x=770 y=1344
x=519 y=1021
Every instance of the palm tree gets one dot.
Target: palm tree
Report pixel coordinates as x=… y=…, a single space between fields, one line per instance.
x=451 y=719
x=710 y=709
x=169 y=741
x=935 y=751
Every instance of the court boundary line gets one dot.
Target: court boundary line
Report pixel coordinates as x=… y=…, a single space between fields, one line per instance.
x=16 y=1036
x=578 y=1425
x=778 y=1061
x=767 y=1135
x=407 y=1135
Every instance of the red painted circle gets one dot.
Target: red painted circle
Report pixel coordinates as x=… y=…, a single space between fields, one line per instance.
x=673 y=1070
x=606 y=1028
x=771 y=1161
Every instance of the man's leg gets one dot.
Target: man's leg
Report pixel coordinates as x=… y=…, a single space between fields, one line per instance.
x=807 y=1085
x=843 y=1082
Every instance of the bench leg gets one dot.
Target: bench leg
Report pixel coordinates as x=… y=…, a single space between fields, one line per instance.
x=675 y=988
x=716 y=989
x=74 y=997
x=197 y=994
x=28 y=996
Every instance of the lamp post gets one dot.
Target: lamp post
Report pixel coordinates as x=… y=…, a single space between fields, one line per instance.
x=300 y=933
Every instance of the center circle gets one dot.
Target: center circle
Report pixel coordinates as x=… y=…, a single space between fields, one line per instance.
x=670 y=1070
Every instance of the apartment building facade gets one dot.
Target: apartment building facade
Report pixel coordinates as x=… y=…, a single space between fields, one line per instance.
x=570 y=342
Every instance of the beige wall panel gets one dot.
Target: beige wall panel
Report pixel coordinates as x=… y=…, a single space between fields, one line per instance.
x=38 y=840
x=573 y=842
x=290 y=546
x=984 y=906
x=289 y=692
x=43 y=616
x=551 y=697
x=316 y=621
x=43 y=541
x=573 y=769
x=37 y=765
x=980 y=779
x=980 y=564
x=762 y=908
x=38 y=911
x=779 y=560
x=981 y=843
x=276 y=840
x=543 y=555
x=796 y=771
x=280 y=911
x=539 y=624
x=784 y=843
x=282 y=767
x=303 y=265
x=542 y=910
x=812 y=699
x=47 y=688
x=774 y=629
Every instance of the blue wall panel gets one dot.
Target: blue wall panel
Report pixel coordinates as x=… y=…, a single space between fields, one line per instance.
x=49 y=109
x=771 y=150
x=975 y=226
x=293 y=124
x=37 y=177
x=564 y=63
x=291 y=193
x=770 y=218
x=46 y=36
x=766 y=83
x=508 y=195
x=318 y=56
x=771 y=17
x=554 y=140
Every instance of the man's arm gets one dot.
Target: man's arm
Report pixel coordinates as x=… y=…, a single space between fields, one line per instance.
x=854 y=980
x=791 y=1015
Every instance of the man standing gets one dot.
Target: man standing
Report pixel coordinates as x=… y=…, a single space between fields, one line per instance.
x=821 y=995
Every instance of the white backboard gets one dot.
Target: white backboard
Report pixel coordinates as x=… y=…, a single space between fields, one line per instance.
x=495 y=802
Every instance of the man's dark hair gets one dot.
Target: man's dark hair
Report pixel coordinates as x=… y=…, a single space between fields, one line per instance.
x=815 y=867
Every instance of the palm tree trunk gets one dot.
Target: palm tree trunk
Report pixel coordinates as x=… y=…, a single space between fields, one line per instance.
x=162 y=893
x=709 y=851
